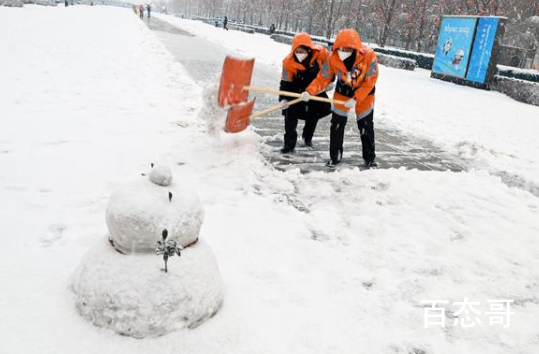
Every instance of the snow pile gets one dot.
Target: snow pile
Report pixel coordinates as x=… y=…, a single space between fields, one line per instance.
x=520 y=90
x=213 y=115
x=396 y=62
x=281 y=38
x=526 y=75
x=130 y=294
x=11 y=3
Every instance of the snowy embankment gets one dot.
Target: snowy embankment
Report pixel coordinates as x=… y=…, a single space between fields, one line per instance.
x=317 y=263
x=486 y=130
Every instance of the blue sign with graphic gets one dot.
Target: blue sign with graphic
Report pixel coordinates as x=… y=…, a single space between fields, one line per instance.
x=454 y=46
x=482 y=49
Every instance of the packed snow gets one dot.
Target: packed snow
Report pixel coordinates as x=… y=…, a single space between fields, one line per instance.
x=310 y=263
x=125 y=291
x=161 y=175
x=131 y=296
x=140 y=208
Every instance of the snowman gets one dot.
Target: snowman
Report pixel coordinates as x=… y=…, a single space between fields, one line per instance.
x=121 y=285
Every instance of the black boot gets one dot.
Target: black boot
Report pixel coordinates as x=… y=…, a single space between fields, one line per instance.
x=333 y=164
x=366 y=132
x=286 y=149
x=290 y=135
x=308 y=131
x=371 y=164
x=336 y=138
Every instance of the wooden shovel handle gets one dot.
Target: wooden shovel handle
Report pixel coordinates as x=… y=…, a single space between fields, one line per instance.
x=290 y=94
x=275 y=108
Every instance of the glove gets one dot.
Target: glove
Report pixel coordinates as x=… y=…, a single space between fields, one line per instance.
x=330 y=87
x=351 y=103
x=305 y=96
x=284 y=104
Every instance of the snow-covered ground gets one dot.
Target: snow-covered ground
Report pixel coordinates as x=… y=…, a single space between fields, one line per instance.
x=316 y=263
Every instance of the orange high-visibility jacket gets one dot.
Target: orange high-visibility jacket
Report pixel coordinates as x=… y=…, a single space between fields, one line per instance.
x=291 y=66
x=360 y=81
x=296 y=77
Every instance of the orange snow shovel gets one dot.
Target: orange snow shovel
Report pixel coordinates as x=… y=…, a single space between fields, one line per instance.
x=234 y=91
x=236 y=74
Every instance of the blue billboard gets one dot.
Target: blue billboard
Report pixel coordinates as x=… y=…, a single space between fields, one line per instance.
x=454 y=46
x=482 y=49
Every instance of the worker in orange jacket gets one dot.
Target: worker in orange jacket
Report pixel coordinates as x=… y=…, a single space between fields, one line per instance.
x=300 y=68
x=356 y=69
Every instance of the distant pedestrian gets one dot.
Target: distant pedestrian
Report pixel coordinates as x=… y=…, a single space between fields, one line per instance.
x=141 y=11
x=272 y=28
x=66 y=3
x=148 y=9
x=225 y=22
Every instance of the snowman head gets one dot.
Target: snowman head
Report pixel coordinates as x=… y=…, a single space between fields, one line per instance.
x=161 y=175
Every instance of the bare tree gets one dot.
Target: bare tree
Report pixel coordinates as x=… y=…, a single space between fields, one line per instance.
x=386 y=9
x=413 y=24
x=333 y=14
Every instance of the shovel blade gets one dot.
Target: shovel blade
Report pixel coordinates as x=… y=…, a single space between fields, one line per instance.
x=238 y=117
x=236 y=74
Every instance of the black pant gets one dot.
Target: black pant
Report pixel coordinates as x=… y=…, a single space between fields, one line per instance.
x=366 y=132
x=290 y=125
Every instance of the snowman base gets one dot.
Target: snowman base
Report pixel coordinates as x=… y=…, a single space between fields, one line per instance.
x=133 y=296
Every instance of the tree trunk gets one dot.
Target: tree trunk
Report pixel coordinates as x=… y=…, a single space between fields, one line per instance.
x=358 y=17
x=348 y=19
x=336 y=16
x=288 y=11
x=270 y=12
x=423 y=10
x=281 y=15
x=330 y=19
x=311 y=16
x=389 y=9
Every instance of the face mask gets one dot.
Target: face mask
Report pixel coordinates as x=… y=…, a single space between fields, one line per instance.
x=301 y=57
x=343 y=55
